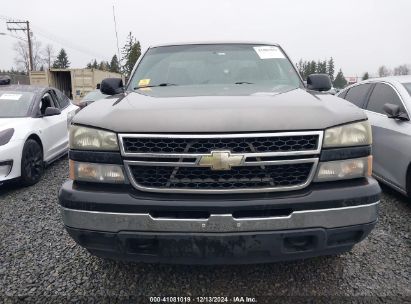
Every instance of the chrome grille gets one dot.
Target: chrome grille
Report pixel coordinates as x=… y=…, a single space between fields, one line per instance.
x=175 y=163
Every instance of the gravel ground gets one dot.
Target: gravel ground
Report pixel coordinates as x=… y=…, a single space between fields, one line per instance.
x=38 y=258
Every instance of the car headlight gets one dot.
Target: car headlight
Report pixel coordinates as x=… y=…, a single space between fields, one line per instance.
x=354 y=134
x=84 y=138
x=5 y=136
x=97 y=173
x=344 y=169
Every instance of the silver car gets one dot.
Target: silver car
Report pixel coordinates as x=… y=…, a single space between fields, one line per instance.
x=387 y=103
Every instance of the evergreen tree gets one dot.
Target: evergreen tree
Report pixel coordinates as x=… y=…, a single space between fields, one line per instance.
x=303 y=68
x=131 y=52
x=340 y=81
x=331 y=68
x=114 y=65
x=61 y=61
x=322 y=67
x=300 y=67
x=313 y=67
x=365 y=76
x=104 y=66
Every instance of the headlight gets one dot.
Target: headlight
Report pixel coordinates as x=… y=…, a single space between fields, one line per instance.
x=344 y=169
x=5 y=136
x=97 y=173
x=83 y=138
x=355 y=134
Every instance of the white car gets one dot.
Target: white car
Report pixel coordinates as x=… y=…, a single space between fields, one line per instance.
x=387 y=103
x=33 y=130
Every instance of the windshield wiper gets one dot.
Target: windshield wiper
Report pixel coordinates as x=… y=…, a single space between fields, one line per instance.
x=243 y=82
x=164 y=84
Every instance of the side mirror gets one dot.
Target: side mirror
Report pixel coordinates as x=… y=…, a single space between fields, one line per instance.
x=52 y=111
x=82 y=104
x=319 y=82
x=394 y=111
x=112 y=86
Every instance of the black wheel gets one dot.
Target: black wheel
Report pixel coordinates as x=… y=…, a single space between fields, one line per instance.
x=32 y=166
x=408 y=183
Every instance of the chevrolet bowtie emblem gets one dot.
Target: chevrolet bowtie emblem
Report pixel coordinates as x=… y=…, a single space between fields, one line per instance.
x=220 y=160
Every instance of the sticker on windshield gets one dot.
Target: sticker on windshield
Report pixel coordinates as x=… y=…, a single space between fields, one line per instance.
x=11 y=96
x=268 y=52
x=143 y=82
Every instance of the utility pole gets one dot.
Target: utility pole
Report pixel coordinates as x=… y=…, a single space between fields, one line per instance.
x=27 y=29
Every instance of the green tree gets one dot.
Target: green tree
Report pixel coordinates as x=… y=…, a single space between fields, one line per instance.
x=340 y=81
x=322 y=67
x=131 y=51
x=300 y=67
x=365 y=76
x=115 y=65
x=303 y=68
x=92 y=64
x=61 y=61
x=104 y=66
x=331 y=68
x=313 y=67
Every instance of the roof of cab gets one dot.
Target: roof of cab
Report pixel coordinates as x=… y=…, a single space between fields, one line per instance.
x=213 y=42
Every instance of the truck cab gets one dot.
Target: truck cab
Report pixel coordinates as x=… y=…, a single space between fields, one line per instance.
x=217 y=153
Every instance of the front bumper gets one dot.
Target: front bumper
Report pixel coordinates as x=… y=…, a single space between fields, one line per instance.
x=326 y=219
x=11 y=153
x=220 y=248
x=219 y=223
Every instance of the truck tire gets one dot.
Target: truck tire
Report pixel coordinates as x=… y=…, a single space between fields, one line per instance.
x=32 y=166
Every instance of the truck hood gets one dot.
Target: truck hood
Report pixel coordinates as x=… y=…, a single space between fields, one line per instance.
x=240 y=108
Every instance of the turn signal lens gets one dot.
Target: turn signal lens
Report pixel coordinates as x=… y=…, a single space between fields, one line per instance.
x=97 y=173
x=344 y=169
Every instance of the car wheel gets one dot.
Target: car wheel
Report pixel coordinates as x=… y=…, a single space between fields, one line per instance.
x=409 y=186
x=32 y=166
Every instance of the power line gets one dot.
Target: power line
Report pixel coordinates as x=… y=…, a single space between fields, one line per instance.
x=56 y=39
x=26 y=28
x=52 y=37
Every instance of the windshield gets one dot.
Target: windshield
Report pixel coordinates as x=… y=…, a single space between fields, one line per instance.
x=15 y=104
x=407 y=87
x=218 y=64
x=94 y=95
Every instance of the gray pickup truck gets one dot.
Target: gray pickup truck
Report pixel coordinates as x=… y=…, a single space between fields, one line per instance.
x=217 y=153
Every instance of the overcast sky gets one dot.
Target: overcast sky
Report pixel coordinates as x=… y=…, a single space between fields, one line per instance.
x=361 y=35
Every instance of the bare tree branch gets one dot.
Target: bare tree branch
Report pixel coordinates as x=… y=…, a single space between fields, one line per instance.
x=48 y=55
x=22 y=55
